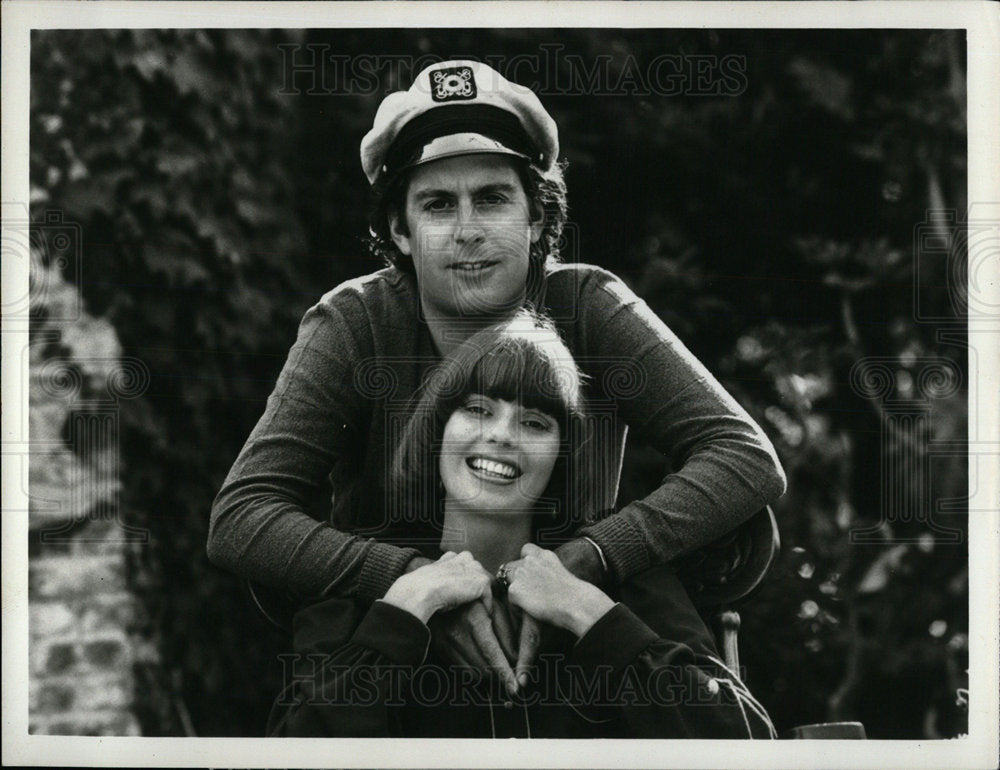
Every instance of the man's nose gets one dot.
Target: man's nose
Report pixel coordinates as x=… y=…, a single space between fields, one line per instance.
x=468 y=227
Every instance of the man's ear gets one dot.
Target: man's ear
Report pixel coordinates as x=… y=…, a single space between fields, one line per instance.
x=400 y=232
x=537 y=221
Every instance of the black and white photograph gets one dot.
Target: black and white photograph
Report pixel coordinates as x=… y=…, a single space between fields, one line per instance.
x=618 y=375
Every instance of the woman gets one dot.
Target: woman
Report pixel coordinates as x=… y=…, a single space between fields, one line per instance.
x=493 y=449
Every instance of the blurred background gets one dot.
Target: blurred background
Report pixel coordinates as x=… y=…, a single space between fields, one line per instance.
x=790 y=202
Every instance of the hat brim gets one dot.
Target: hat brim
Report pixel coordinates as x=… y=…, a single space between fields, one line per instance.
x=455 y=145
x=457 y=129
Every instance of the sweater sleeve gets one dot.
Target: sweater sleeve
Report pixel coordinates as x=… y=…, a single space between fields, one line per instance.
x=260 y=528
x=725 y=467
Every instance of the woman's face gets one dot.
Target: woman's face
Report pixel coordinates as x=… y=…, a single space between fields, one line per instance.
x=497 y=456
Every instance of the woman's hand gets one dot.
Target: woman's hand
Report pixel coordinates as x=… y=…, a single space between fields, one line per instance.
x=452 y=580
x=543 y=588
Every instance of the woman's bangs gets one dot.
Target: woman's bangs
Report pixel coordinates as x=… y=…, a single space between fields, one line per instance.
x=519 y=371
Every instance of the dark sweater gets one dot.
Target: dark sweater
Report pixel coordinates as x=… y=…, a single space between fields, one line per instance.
x=343 y=397
x=367 y=671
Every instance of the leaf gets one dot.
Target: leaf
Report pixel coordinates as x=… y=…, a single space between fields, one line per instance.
x=882 y=569
x=178 y=260
x=190 y=76
x=150 y=63
x=827 y=87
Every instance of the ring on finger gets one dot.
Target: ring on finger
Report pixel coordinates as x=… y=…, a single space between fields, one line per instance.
x=502 y=576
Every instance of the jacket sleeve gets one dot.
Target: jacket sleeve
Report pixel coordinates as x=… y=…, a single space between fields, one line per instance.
x=656 y=687
x=667 y=682
x=314 y=419
x=724 y=466
x=346 y=675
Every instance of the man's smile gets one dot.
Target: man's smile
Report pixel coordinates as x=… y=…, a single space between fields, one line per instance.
x=473 y=266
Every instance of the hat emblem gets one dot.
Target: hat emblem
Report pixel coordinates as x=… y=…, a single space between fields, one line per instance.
x=452 y=83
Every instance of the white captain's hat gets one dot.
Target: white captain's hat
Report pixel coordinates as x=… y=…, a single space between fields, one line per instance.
x=458 y=108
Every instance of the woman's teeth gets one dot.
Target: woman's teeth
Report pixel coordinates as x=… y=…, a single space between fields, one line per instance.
x=493 y=468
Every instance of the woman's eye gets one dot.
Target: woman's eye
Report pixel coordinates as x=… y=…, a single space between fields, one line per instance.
x=474 y=408
x=536 y=424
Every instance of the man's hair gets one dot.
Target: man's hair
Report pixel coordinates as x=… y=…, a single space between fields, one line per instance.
x=522 y=360
x=545 y=190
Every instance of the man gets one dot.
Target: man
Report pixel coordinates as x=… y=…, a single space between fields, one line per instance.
x=468 y=208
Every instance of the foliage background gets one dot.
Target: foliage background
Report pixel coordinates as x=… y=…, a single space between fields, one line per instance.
x=778 y=230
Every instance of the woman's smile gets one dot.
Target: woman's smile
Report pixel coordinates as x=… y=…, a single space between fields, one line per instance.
x=493 y=470
x=497 y=455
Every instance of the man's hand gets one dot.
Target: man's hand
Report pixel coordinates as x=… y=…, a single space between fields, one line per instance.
x=416 y=563
x=466 y=636
x=581 y=559
x=506 y=622
x=451 y=581
x=545 y=590
x=454 y=597
x=528 y=646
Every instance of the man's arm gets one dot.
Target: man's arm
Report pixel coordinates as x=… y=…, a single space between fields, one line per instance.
x=313 y=420
x=583 y=559
x=726 y=468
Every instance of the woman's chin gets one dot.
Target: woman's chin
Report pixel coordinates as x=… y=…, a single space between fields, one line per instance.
x=505 y=512
x=498 y=506
x=506 y=499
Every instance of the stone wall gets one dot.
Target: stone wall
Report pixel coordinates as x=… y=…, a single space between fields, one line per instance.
x=83 y=644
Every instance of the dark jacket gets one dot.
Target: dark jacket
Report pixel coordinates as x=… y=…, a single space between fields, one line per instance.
x=370 y=672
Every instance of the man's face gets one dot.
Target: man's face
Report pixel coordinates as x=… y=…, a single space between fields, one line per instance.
x=469 y=229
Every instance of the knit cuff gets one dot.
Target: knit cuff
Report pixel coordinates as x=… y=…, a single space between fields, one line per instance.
x=623 y=547
x=383 y=565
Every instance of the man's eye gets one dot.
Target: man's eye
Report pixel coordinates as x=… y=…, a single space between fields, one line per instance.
x=437 y=204
x=493 y=199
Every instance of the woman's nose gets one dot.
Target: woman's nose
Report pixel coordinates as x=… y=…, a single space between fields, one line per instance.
x=501 y=430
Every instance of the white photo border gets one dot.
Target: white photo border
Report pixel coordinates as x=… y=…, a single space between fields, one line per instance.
x=981 y=20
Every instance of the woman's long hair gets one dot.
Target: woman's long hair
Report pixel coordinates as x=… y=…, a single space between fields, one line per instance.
x=522 y=360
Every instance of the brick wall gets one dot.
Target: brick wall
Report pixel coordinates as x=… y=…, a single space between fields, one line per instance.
x=83 y=644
